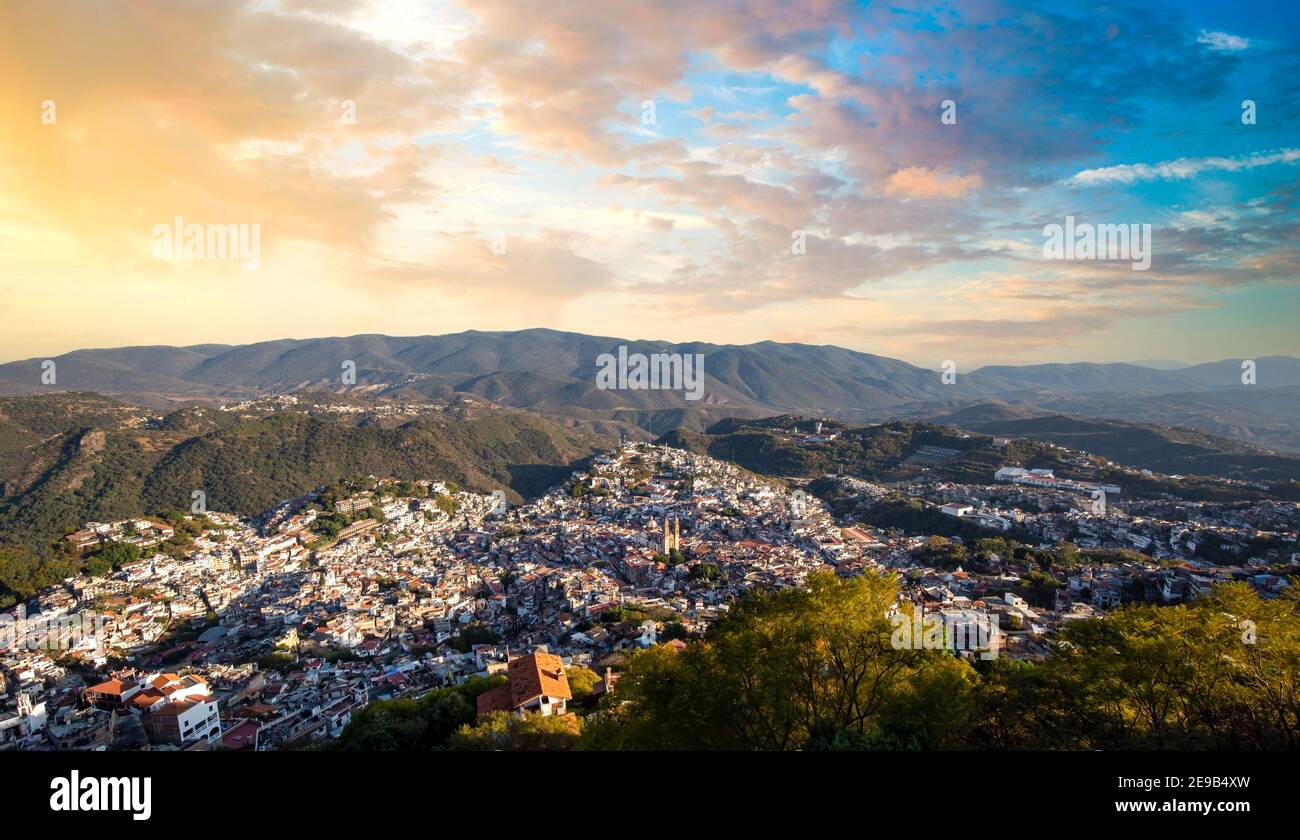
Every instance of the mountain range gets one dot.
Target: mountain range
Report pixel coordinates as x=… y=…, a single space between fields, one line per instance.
x=554 y=373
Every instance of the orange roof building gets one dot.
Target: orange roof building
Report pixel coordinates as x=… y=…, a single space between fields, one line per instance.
x=536 y=683
x=113 y=693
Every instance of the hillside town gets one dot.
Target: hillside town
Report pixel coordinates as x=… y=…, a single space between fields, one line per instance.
x=274 y=632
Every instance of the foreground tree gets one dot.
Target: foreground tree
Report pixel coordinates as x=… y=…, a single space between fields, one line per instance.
x=503 y=731
x=815 y=669
x=794 y=669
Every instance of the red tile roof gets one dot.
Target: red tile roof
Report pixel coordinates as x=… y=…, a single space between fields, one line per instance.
x=494 y=700
x=146 y=698
x=113 y=686
x=537 y=674
x=529 y=677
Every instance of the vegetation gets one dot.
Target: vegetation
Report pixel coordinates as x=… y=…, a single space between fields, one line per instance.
x=279 y=660
x=111 y=557
x=66 y=459
x=502 y=731
x=636 y=613
x=1163 y=449
x=416 y=725
x=815 y=669
x=473 y=634
x=888 y=452
x=582 y=682
x=674 y=557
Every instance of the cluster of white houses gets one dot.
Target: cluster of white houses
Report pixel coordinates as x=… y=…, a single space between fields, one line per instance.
x=1048 y=479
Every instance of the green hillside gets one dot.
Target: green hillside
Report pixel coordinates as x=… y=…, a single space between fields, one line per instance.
x=892 y=452
x=107 y=461
x=1173 y=451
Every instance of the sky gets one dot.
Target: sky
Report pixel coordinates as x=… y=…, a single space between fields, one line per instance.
x=874 y=176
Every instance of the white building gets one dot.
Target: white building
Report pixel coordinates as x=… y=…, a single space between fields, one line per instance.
x=184 y=722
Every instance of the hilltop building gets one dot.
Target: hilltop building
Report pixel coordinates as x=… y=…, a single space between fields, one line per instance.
x=536 y=684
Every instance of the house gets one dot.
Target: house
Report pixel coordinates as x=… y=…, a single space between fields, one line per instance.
x=535 y=683
x=242 y=736
x=606 y=684
x=173 y=709
x=1173 y=589
x=183 y=722
x=649 y=634
x=1107 y=593
x=28 y=720
x=113 y=694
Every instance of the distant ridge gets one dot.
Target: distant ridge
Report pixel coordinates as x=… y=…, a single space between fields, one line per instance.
x=553 y=372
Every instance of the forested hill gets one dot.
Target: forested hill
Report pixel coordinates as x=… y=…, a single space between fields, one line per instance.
x=69 y=458
x=781 y=446
x=554 y=373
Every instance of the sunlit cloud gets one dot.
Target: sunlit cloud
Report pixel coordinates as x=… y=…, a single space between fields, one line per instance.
x=731 y=171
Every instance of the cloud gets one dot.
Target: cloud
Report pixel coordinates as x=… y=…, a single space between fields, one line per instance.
x=1222 y=41
x=525 y=271
x=1181 y=168
x=774 y=118
x=221 y=112
x=920 y=182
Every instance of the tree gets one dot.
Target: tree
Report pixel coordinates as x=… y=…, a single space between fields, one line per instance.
x=814 y=670
x=416 y=725
x=503 y=731
x=582 y=681
x=111 y=557
x=674 y=630
x=1219 y=673
x=940 y=552
x=22 y=574
x=473 y=634
x=793 y=669
x=707 y=571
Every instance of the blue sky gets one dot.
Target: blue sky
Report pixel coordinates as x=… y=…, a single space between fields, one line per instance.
x=796 y=182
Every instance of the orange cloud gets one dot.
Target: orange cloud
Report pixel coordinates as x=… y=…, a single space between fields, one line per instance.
x=921 y=182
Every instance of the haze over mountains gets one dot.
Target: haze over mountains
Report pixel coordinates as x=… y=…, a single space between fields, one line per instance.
x=555 y=373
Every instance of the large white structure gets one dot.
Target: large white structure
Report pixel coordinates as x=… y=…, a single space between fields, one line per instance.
x=1048 y=479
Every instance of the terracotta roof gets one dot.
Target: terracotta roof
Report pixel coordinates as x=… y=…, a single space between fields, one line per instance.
x=176 y=707
x=537 y=674
x=255 y=709
x=146 y=698
x=494 y=700
x=113 y=686
x=529 y=677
